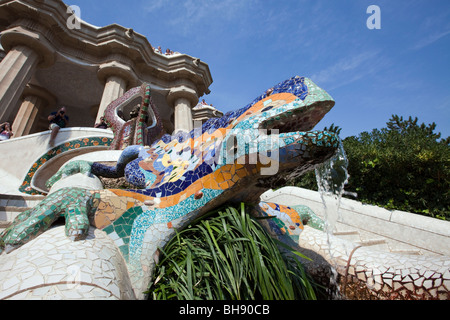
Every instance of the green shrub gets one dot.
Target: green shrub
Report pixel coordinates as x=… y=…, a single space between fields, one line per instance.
x=228 y=256
x=404 y=166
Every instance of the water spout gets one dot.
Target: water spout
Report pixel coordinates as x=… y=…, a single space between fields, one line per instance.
x=332 y=176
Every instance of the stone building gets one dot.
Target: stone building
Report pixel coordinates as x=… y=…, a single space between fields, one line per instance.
x=203 y=112
x=50 y=59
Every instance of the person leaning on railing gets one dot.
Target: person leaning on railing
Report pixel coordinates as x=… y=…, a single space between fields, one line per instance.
x=58 y=120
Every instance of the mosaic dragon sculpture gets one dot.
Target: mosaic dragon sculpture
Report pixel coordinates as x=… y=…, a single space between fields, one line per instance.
x=180 y=177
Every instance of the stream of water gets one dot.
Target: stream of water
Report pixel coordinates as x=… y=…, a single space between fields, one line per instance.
x=332 y=176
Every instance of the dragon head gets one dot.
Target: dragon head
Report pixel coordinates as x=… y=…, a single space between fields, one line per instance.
x=273 y=132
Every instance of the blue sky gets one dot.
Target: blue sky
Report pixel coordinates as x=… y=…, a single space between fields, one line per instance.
x=251 y=45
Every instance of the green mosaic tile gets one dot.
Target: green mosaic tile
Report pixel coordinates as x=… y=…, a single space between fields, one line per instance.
x=70 y=145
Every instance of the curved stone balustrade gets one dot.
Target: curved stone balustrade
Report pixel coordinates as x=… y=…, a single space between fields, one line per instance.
x=23 y=156
x=365 y=273
x=397 y=258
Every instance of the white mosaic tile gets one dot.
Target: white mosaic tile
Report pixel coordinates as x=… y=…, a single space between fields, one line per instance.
x=32 y=267
x=387 y=275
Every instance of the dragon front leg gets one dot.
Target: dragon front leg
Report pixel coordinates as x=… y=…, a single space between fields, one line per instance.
x=85 y=167
x=74 y=204
x=74 y=167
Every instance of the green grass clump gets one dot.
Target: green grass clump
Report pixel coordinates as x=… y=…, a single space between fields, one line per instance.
x=227 y=255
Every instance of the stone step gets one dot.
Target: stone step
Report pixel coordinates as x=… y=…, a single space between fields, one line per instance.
x=4 y=225
x=371 y=242
x=407 y=251
x=349 y=235
x=364 y=238
x=343 y=233
x=13 y=205
x=379 y=244
x=19 y=201
x=9 y=213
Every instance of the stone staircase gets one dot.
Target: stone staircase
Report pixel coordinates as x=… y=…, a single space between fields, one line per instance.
x=380 y=229
x=13 y=205
x=367 y=239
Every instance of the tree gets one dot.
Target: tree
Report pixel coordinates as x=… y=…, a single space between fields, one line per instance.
x=404 y=166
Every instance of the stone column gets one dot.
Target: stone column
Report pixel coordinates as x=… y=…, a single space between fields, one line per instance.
x=16 y=70
x=183 y=98
x=183 y=115
x=34 y=99
x=118 y=76
x=27 y=49
x=26 y=116
x=114 y=88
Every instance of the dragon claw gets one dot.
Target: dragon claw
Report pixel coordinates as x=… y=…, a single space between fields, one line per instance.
x=72 y=203
x=77 y=223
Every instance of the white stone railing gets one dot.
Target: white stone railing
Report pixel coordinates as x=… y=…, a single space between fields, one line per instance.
x=19 y=154
x=419 y=231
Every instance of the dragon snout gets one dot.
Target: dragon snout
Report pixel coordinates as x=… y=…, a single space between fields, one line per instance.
x=316 y=146
x=298 y=153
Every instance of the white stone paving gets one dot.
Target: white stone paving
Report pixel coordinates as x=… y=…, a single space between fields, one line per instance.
x=54 y=267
